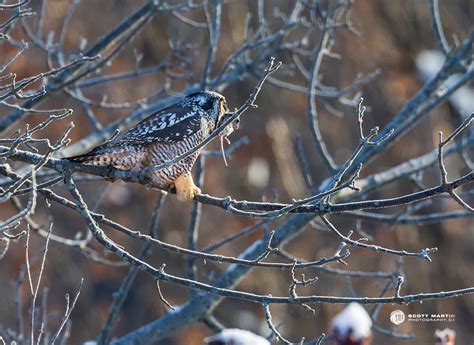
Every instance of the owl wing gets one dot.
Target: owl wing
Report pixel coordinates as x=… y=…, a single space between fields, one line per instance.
x=172 y=124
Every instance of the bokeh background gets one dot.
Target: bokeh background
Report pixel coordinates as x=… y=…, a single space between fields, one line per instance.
x=392 y=34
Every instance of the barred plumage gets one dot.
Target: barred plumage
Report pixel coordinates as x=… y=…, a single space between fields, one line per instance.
x=163 y=136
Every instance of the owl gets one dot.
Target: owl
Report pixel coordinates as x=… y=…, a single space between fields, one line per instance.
x=163 y=136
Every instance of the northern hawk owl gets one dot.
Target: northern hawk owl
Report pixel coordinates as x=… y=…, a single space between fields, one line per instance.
x=164 y=136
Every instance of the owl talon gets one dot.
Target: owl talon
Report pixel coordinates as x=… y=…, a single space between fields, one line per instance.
x=185 y=188
x=188 y=194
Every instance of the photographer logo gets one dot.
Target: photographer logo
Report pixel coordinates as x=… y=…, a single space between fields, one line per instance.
x=397 y=317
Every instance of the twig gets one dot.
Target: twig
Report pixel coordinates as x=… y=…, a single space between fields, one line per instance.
x=398 y=287
x=193 y=227
x=162 y=298
x=438 y=27
x=311 y=102
x=34 y=289
x=442 y=168
x=68 y=311
x=359 y=243
x=268 y=318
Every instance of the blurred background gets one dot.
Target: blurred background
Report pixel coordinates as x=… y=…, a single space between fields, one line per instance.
x=392 y=34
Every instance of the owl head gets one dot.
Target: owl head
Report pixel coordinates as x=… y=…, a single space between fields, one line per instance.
x=215 y=106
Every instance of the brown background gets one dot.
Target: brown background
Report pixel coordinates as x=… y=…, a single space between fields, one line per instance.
x=392 y=34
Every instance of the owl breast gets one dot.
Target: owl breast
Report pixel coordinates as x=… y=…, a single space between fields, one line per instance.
x=159 y=153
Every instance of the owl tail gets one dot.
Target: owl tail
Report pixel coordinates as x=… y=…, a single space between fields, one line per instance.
x=105 y=155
